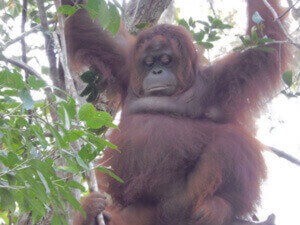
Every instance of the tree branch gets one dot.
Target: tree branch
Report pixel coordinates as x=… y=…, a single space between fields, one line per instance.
x=277 y=18
x=23 y=22
x=284 y=155
x=26 y=33
x=211 y=4
x=289 y=9
x=33 y=30
x=143 y=11
x=49 y=46
x=21 y=65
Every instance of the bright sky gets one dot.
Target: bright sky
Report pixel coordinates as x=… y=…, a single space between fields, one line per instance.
x=281 y=192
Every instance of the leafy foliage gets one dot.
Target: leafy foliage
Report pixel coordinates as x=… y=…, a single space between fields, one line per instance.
x=106 y=13
x=255 y=41
x=33 y=146
x=209 y=31
x=291 y=80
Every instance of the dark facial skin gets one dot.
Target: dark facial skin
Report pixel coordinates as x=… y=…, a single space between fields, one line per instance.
x=159 y=80
x=189 y=103
x=160 y=84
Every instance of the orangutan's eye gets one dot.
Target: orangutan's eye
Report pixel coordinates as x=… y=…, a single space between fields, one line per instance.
x=149 y=61
x=165 y=59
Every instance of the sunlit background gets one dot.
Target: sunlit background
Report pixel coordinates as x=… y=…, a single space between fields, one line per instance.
x=278 y=127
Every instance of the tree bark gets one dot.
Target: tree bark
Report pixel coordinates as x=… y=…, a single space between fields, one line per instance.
x=143 y=11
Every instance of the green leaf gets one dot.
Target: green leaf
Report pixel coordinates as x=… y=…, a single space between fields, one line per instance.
x=67 y=10
x=86 y=112
x=59 y=219
x=199 y=37
x=68 y=110
x=103 y=14
x=42 y=178
x=38 y=131
x=87 y=153
x=21 y=122
x=81 y=163
x=8 y=92
x=44 y=167
x=55 y=220
x=74 y=135
x=94 y=119
x=58 y=138
x=27 y=100
x=192 y=23
x=110 y=173
x=183 y=23
x=99 y=142
x=254 y=35
x=64 y=116
x=210 y=19
x=36 y=205
x=207 y=45
x=12 y=160
x=7 y=201
x=76 y=185
x=9 y=160
x=98 y=9
x=115 y=19
x=11 y=80
x=95 y=123
x=106 y=119
x=206 y=24
x=35 y=83
x=71 y=199
x=246 y=40
x=288 y=78
x=212 y=36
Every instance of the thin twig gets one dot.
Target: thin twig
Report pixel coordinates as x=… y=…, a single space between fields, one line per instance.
x=284 y=155
x=17 y=39
x=289 y=9
x=24 y=50
x=212 y=7
x=49 y=45
x=35 y=29
x=276 y=18
x=22 y=65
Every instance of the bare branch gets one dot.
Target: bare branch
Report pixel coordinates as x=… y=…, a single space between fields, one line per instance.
x=276 y=18
x=21 y=65
x=61 y=41
x=49 y=47
x=211 y=4
x=33 y=30
x=23 y=43
x=289 y=9
x=284 y=155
